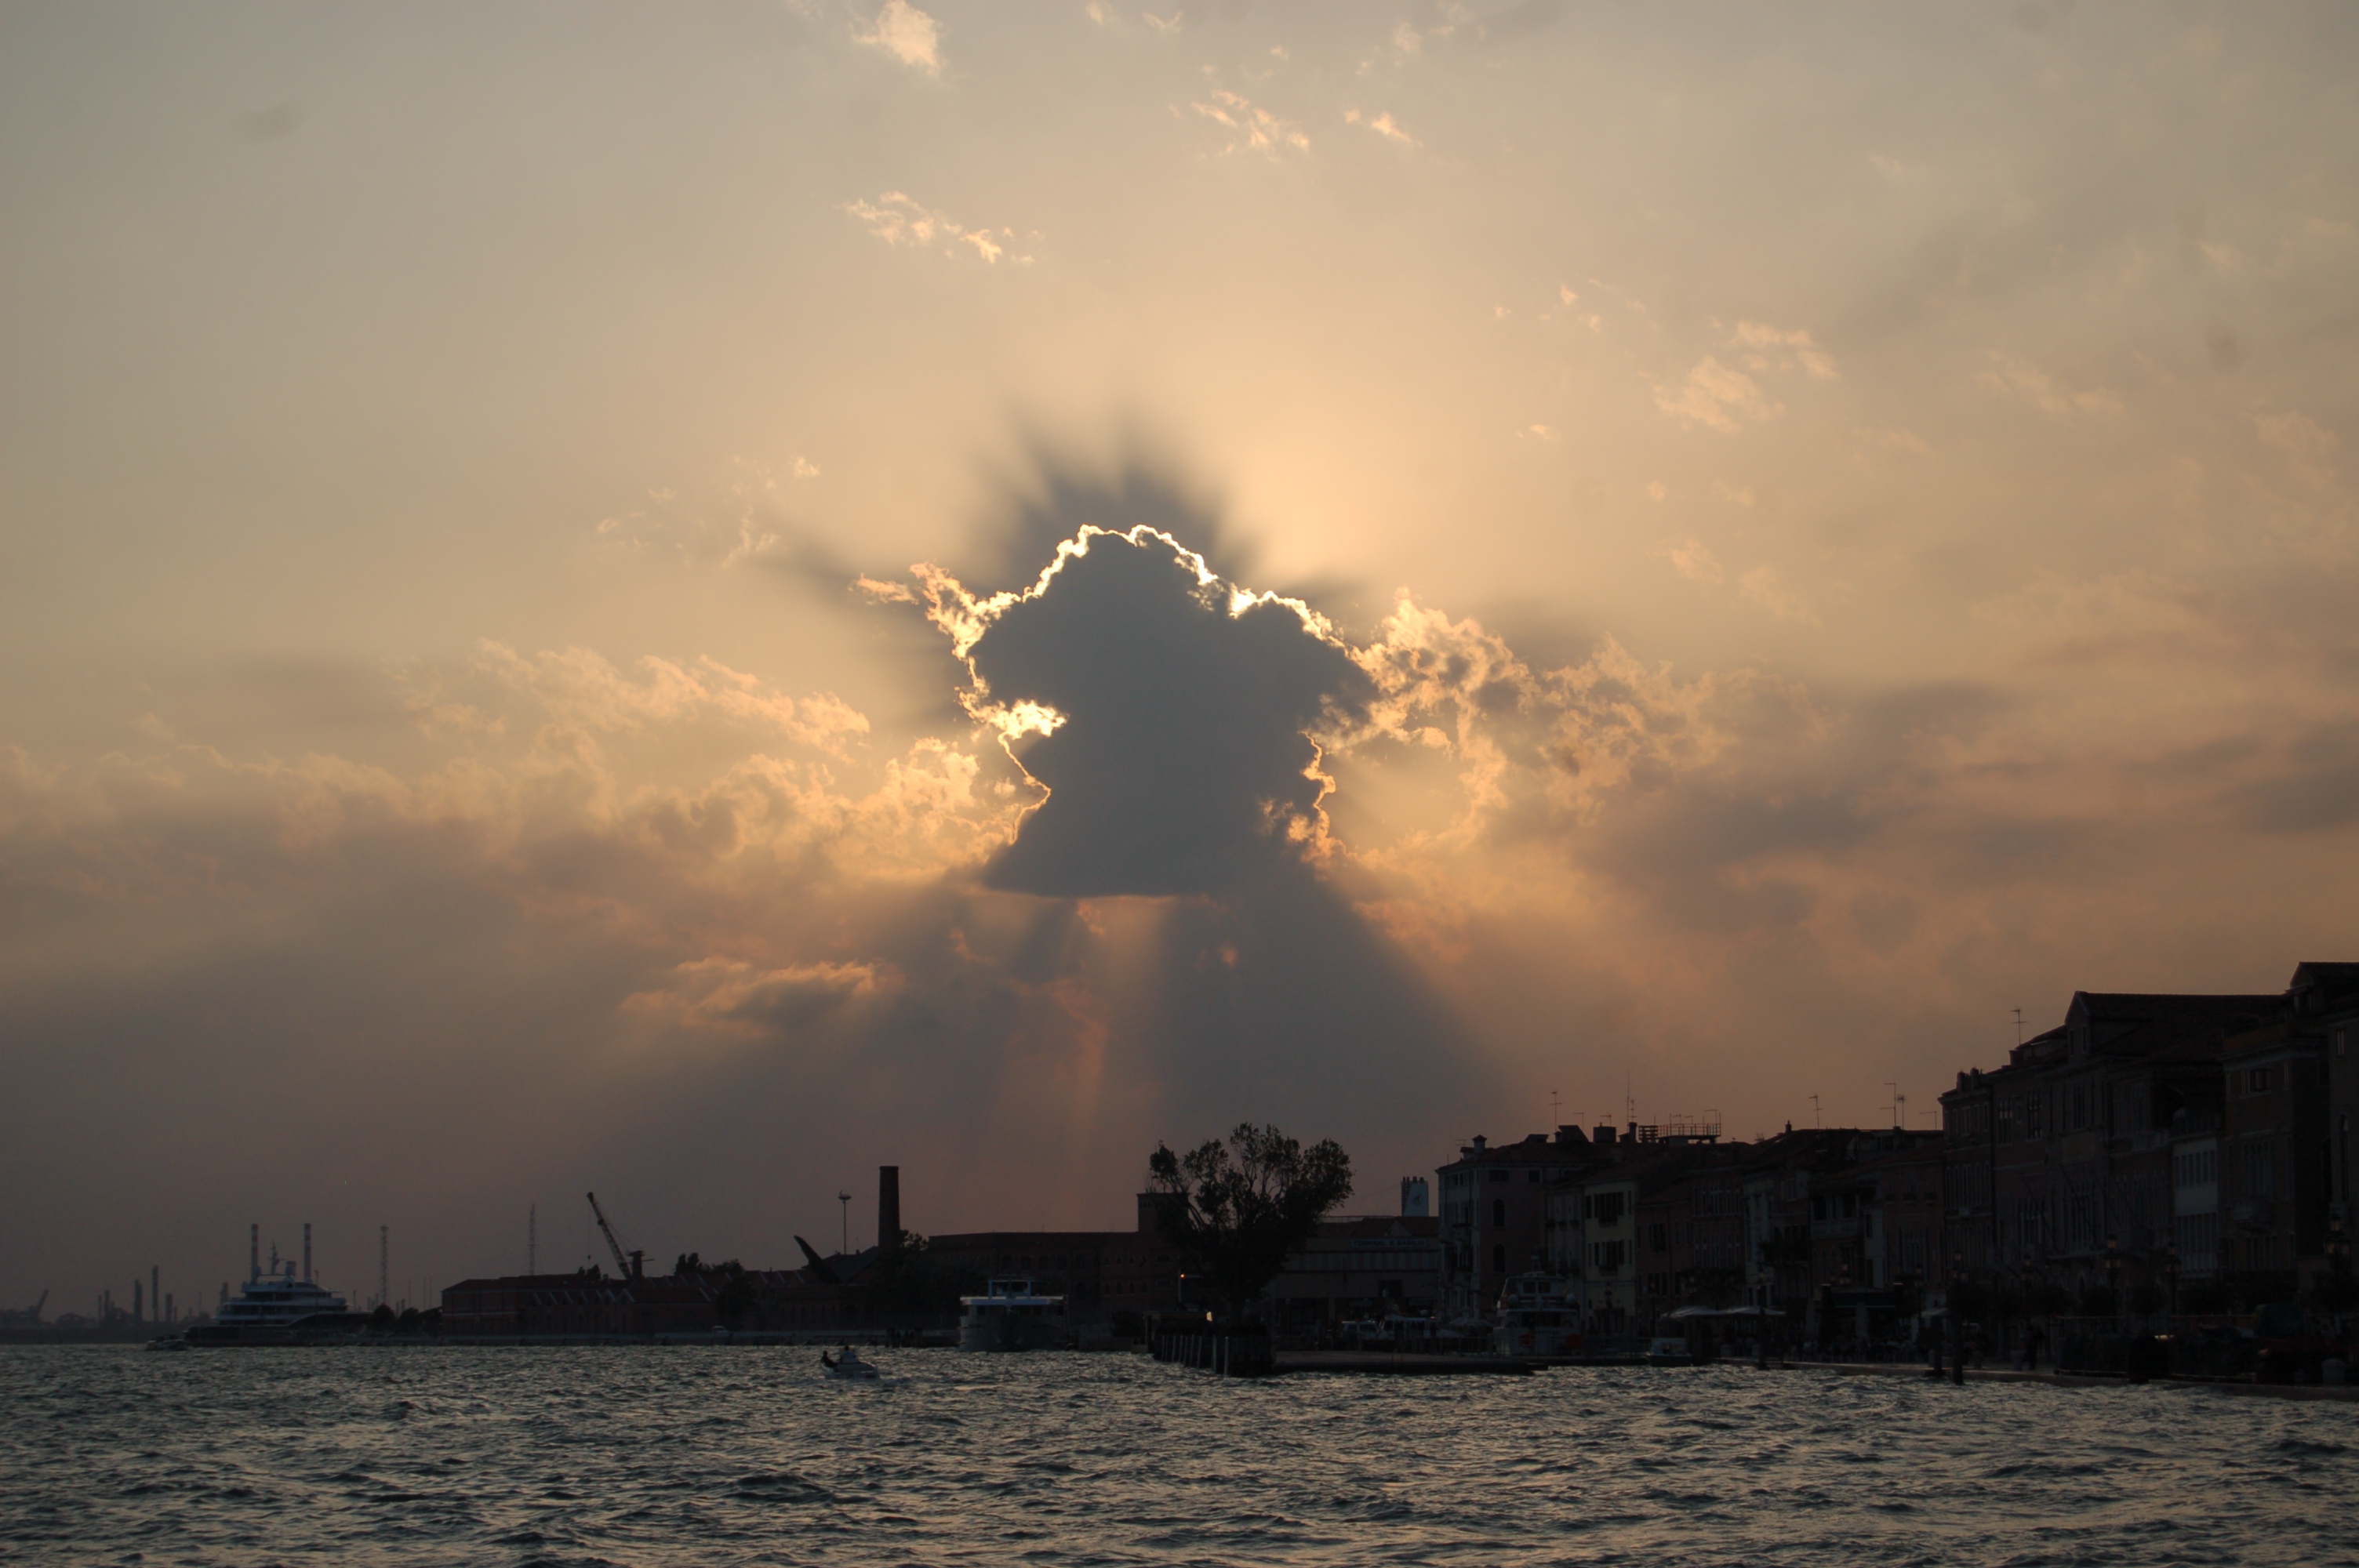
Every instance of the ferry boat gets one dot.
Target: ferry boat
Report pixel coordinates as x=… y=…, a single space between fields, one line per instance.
x=275 y=1308
x=1535 y=1319
x=1011 y=1317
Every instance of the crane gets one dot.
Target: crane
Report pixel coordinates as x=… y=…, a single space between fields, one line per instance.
x=629 y=1265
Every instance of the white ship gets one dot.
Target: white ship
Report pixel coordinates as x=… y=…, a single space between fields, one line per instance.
x=1011 y=1317
x=278 y=1301
x=1535 y=1319
x=273 y=1307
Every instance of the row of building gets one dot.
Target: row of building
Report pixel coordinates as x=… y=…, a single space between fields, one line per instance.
x=2148 y=1152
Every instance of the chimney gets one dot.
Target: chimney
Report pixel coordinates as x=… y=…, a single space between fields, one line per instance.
x=254 y=1251
x=888 y=1206
x=307 y=1250
x=1604 y=1137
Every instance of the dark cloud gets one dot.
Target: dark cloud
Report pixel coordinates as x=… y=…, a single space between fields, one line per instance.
x=1183 y=763
x=2316 y=788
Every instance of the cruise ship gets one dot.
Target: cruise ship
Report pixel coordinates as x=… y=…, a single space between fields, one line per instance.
x=277 y=1307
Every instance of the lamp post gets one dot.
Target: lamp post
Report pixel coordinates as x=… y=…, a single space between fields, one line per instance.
x=2170 y=1278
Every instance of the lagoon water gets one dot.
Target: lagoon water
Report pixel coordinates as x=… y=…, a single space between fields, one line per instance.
x=716 y=1455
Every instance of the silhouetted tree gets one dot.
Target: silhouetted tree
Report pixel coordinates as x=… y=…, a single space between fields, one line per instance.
x=1237 y=1215
x=735 y=1297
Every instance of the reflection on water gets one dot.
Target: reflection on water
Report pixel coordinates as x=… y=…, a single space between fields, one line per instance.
x=642 y=1456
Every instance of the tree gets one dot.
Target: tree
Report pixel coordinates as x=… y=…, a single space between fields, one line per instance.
x=1237 y=1215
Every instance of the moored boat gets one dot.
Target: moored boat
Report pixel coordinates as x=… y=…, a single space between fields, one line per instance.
x=1011 y=1317
x=277 y=1308
x=1535 y=1318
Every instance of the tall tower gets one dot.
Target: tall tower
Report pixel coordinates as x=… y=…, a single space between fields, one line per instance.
x=384 y=1251
x=889 y=1208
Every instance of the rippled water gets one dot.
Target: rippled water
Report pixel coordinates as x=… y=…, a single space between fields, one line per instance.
x=656 y=1455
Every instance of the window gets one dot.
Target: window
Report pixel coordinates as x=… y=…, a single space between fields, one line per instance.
x=1533 y=1175
x=2256 y=1081
x=1498 y=1211
x=2341 y=1042
x=1658 y=1238
x=1500 y=1174
x=1498 y=1259
x=2261 y=1169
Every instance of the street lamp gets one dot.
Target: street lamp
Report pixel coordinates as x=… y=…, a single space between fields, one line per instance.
x=2170 y=1278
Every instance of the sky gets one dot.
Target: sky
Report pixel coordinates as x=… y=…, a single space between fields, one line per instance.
x=692 y=601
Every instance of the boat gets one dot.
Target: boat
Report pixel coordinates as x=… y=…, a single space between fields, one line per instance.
x=1670 y=1350
x=277 y=1308
x=1011 y=1317
x=1535 y=1318
x=846 y=1367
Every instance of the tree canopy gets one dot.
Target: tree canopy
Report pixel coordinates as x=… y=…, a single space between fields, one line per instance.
x=1238 y=1208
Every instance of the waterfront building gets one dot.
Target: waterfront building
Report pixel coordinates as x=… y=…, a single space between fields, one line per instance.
x=1495 y=1213
x=2195 y=1190
x=2274 y=1147
x=2154 y=1138
x=1360 y=1267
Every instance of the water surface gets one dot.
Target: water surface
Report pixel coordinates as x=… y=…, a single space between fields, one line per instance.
x=713 y=1455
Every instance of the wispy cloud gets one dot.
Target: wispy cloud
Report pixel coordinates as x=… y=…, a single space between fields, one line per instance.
x=1761 y=584
x=1382 y=124
x=1252 y=128
x=908 y=35
x=1771 y=348
x=898 y=220
x=1717 y=396
x=2051 y=394
x=1693 y=560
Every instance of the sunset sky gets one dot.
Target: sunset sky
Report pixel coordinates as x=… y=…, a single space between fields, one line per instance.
x=1695 y=557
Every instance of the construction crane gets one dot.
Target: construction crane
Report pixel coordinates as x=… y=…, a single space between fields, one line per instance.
x=629 y=1265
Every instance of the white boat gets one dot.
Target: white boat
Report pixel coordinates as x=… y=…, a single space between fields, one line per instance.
x=1011 y=1317
x=272 y=1307
x=846 y=1367
x=1535 y=1319
x=1670 y=1350
x=278 y=1301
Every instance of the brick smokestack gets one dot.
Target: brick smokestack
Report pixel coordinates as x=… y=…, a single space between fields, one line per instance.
x=888 y=1206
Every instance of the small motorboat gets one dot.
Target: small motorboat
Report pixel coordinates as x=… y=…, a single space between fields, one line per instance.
x=846 y=1367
